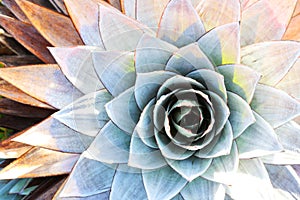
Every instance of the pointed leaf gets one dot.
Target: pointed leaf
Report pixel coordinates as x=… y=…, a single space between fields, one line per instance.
x=257 y=140
x=289 y=136
x=123 y=111
x=77 y=65
x=222 y=168
x=10 y=149
x=271 y=59
x=87 y=114
x=36 y=80
x=163 y=183
x=274 y=105
x=60 y=33
x=240 y=80
x=147 y=85
x=285 y=157
x=28 y=36
x=265 y=20
x=188 y=59
x=285 y=180
x=9 y=91
x=241 y=115
x=116 y=71
x=215 y=13
x=96 y=175
x=143 y=156
x=52 y=134
x=132 y=179
x=180 y=24
x=201 y=188
x=190 y=168
x=39 y=162
x=85 y=16
x=119 y=32
x=222 y=44
x=152 y=54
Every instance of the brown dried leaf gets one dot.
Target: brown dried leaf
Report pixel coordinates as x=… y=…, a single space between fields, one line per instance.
x=10 y=149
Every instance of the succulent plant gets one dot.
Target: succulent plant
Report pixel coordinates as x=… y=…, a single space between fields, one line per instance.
x=169 y=99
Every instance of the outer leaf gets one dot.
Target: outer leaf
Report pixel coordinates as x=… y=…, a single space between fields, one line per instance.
x=271 y=59
x=289 y=136
x=223 y=167
x=267 y=98
x=222 y=44
x=52 y=134
x=144 y=157
x=36 y=80
x=61 y=33
x=28 y=36
x=190 y=168
x=84 y=14
x=87 y=114
x=119 y=32
x=77 y=65
x=111 y=145
x=240 y=80
x=147 y=85
x=188 y=59
x=285 y=157
x=252 y=181
x=180 y=24
x=285 y=180
x=39 y=162
x=265 y=20
x=241 y=116
x=115 y=70
x=163 y=183
x=123 y=111
x=128 y=184
x=10 y=149
x=152 y=54
x=96 y=175
x=257 y=140
x=201 y=188
x=215 y=13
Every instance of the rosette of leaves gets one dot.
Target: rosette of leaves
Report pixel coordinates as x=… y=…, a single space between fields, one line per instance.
x=170 y=99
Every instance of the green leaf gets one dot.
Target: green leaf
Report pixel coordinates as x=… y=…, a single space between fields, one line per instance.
x=212 y=80
x=87 y=114
x=201 y=188
x=222 y=44
x=77 y=65
x=115 y=70
x=147 y=85
x=215 y=13
x=143 y=156
x=222 y=168
x=180 y=24
x=52 y=134
x=111 y=145
x=96 y=175
x=190 y=168
x=163 y=183
x=188 y=59
x=123 y=111
x=271 y=59
x=119 y=32
x=152 y=54
x=241 y=115
x=274 y=105
x=240 y=80
x=265 y=20
x=258 y=140
x=128 y=184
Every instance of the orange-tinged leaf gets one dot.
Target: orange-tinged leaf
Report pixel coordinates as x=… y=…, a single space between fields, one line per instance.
x=293 y=30
x=115 y=3
x=9 y=91
x=10 y=149
x=15 y=9
x=56 y=28
x=43 y=82
x=28 y=36
x=39 y=162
